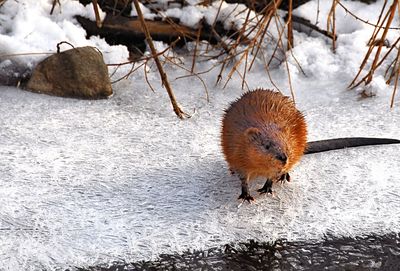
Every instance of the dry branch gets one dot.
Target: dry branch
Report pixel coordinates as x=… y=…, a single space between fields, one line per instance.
x=96 y=13
x=253 y=43
x=362 y=20
x=290 y=26
x=298 y=22
x=378 y=41
x=178 y=111
x=55 y=2
x=367 y=78
x=331 y=23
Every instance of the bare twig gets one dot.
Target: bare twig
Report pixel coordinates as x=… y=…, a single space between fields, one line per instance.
x=375 y=63
x=362 y=20
x=269 y=74
x=290 y=26
x=62 y=42
x=393 y=64
x=54 y=5
x=396 y=81
x=146 y=78
x=245 y=70
x=24 y=54
x=178 y=111
x=331 y=23
x=96 y=13
x=312 y=26
x=133 y=69
x=255 y=40
x=376 y=28
x=317 y=17
x=195 y=49
x=291 y=51
x=196 y=75
x=258 y=47
x=377 y=41
x=280 y=43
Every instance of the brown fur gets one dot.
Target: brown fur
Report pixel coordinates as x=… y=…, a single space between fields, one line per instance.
x=257 y=119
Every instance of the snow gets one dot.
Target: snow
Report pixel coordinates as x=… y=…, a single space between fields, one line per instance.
x=145 y=11
x=29 y=28
x=90 y=182
x=189 y=16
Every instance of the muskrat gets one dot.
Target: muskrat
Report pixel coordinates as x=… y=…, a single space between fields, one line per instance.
x=264 y=135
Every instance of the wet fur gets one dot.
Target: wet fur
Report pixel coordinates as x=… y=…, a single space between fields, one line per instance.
x=264 y=135
x=258 y=118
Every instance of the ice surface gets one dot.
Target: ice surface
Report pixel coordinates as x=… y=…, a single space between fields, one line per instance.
x=86 y=182
x=89 y=182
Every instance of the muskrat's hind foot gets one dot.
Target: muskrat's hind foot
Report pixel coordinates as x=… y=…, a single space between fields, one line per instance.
x=267 y=188
x=284 y=177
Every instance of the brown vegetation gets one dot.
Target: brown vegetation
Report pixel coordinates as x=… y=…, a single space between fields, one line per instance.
x=237 y=48
x=235 y=57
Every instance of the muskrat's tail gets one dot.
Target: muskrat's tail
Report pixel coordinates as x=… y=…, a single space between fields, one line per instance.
x=348 y=142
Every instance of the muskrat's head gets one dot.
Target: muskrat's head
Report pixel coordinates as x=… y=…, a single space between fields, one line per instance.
x=266 y=151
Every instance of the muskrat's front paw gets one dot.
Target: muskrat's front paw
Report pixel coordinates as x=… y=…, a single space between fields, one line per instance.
x=246 y=197
x=267 y=188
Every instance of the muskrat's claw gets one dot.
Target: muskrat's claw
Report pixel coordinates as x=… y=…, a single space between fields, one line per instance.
x=246 y=197
x=284 y=177
x=267 y=188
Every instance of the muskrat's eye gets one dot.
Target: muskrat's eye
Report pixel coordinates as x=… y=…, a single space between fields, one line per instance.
x=267 y=146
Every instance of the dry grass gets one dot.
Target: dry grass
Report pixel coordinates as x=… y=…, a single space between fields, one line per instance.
x=240 y=50
x=377 y=41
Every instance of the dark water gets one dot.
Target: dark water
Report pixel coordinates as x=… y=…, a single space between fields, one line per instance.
x=361 y=253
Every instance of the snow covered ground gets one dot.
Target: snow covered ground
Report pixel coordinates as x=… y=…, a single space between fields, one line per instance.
x=122 y=179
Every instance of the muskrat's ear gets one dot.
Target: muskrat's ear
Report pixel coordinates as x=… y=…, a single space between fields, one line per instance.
x=252 y=133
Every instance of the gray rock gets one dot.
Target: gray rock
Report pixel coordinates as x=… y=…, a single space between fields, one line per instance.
x=76 y=73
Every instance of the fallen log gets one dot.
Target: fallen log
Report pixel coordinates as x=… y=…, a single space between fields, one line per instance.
x=131 y=29
x=128 y=31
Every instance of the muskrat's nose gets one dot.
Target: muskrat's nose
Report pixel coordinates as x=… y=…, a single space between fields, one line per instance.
x=282 y=158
